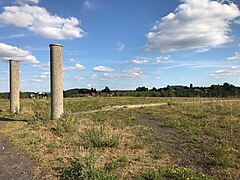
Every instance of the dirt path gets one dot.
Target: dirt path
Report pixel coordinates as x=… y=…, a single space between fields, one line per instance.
x=112 y=108
x=14 y=165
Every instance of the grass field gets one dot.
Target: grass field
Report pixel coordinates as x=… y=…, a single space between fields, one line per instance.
x=194 y=140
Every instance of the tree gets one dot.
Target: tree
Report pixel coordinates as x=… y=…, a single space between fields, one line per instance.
x=191 y=86
x=142 y=89
x=153 y=89
x=106 y=89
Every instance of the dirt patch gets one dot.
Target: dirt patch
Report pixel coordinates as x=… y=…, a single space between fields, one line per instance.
x=13 y=163
x=169 y=140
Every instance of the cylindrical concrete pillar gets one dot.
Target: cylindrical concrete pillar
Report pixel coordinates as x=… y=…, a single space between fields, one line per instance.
x=56 y=81
x=14 y=86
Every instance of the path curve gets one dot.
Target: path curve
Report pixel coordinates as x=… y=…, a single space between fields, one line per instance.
x=112 y=108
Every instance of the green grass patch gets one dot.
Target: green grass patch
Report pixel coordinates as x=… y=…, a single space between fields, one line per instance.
x=100 y=137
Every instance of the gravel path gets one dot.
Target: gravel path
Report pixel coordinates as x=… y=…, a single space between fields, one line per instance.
x=14 y=165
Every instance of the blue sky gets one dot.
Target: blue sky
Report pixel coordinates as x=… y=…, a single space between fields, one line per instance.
x=122 y=44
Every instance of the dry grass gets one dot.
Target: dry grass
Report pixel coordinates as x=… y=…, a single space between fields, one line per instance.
x=168 y=142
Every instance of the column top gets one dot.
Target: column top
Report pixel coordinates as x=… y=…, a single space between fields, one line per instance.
x=14 y=60
x=55 y=45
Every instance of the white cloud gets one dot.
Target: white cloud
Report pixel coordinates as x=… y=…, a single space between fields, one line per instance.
x=235 y=57
x=72 y=60
x=14 y=36
x=77 y=78
x=237 y=21
x=35 y=80
x=226 y=72
x=89 y=4
x=194 y=24
x=3 y=72
x=3 y=79
x=120 y=46
x=45 y=73
x=77 y=66
x=42 y=66
x=134 y=73
x=102 y=69
x=160 y=59
x=140 y=61
x=89 y=85
x=8 y=52
x=21 y=2
x=41 y=22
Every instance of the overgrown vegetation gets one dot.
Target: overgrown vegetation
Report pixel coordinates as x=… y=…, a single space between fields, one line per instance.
x=83 y=168
x=198 y=139
x=99 y=137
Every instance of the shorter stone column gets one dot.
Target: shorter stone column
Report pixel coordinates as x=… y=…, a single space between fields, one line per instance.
x=14 y=86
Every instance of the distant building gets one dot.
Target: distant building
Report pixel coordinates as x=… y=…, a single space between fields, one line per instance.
x=39 y=95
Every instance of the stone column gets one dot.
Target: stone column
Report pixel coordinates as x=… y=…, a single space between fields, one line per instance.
x=14 y=86
x=56 y=81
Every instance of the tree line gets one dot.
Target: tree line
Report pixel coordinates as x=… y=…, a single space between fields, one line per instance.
x=225 y=90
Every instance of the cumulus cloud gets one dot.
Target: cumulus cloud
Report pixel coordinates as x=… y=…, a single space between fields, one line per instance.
x=41 y=22
x=194 y=24
x=21 y=2
x=102 y=69
x=77 y=66
x=226 y=72
x=8 y=52
x=235 y=57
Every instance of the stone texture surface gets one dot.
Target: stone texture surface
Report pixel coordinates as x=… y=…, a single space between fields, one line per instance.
x=56 y=81
x=14 y=86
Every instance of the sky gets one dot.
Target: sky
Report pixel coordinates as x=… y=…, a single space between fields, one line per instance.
x=121 y=44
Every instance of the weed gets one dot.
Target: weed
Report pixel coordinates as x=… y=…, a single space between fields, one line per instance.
x=67 y=124
x=100 y=137
x=138 y=143
x=83 y=168
x=112 y=165
x=132 y=118
x=156 y=151
x=33 y=140
x=51 y=147
x=175 y=174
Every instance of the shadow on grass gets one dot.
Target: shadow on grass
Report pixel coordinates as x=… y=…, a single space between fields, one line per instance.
x=2 y=119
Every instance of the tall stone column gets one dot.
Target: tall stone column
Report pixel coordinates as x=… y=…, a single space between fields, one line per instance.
x=56 y=81
x=14 y=86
